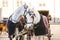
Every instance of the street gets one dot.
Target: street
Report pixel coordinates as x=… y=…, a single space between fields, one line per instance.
x=55 y=30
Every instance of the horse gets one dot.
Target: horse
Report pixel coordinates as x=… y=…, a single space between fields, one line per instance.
x=16 y=19
x=32 y=20
x=36 y=22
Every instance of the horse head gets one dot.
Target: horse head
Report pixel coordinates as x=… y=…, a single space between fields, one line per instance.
x=29 y=19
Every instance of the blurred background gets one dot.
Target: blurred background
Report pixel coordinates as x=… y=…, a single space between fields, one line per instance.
x=7 y=7
x=52 y=7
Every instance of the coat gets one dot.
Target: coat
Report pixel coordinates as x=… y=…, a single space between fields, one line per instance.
x=39 y=28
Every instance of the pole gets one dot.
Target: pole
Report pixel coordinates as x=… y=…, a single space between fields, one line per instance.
x=54 y=11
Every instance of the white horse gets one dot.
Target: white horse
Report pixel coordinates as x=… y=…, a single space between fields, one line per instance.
x=15 y=18
x=36 y=22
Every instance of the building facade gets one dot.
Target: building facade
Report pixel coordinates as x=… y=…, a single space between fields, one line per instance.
x=9 y=6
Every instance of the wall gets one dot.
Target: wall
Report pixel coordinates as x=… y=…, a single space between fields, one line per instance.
x=52 y=5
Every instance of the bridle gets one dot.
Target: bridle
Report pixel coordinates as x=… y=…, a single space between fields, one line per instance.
x=27 y=11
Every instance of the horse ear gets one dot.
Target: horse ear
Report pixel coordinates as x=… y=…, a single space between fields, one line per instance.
x=25 y=6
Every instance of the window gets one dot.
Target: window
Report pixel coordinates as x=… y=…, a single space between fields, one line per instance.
x=5 y=3
x=19 y=2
